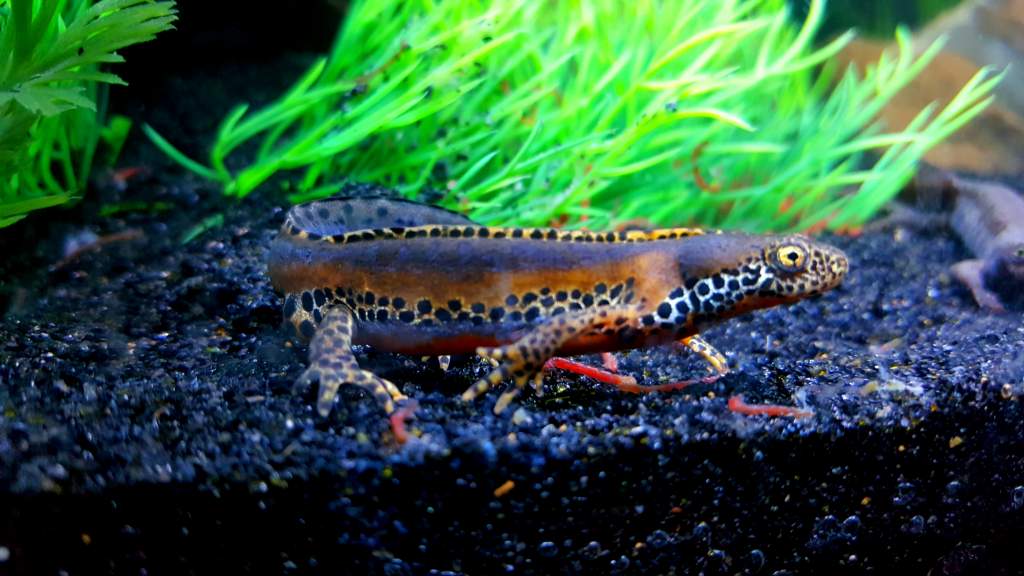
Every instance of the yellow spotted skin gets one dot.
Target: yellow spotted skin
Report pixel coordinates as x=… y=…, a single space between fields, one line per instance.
x=415 y=279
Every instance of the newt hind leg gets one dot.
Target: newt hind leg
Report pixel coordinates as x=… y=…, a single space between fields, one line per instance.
x=332 y=362
x=609 y=375
x=523 y=360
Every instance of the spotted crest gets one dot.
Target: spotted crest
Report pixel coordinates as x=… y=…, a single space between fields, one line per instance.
x=343 y=214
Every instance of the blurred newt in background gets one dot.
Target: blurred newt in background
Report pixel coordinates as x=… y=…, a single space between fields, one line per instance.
x=988 y=217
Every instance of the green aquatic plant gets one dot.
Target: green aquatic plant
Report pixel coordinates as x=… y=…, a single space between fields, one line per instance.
x=587 y=114
x=51 y=104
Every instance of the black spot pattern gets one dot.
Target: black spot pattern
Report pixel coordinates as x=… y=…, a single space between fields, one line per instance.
x=532 y=307
x=290 y=306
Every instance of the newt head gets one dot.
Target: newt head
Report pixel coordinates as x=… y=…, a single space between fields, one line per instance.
x=731 y=274
x=1009 y=261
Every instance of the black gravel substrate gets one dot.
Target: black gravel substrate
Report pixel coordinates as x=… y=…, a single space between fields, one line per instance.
x=149 y=426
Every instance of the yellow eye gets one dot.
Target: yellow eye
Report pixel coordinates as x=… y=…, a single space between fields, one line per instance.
x=791 y=257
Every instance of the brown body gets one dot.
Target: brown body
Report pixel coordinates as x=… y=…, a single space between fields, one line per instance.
x=475 y=278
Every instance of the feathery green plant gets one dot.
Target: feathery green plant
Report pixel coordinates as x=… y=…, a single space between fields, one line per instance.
x=522 y=112
x=50 y=57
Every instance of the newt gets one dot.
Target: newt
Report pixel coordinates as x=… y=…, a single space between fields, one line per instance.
x=989 y=219
x=415 y=279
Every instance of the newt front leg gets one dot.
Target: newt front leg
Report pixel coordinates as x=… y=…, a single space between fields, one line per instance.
x=332 y=362
x=628 y=384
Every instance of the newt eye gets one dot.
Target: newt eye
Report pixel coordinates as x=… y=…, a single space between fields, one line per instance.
x=1019 y=253
x=791 y=257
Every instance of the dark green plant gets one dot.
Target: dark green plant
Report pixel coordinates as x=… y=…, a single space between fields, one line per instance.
x=877 y=18
x=591 y=112
x=51 y=53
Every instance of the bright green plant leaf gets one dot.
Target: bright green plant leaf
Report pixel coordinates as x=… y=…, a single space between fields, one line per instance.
x=49 y=85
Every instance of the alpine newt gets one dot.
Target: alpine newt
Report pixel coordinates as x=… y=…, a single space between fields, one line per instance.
x=988 y=217
x=415 y=279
